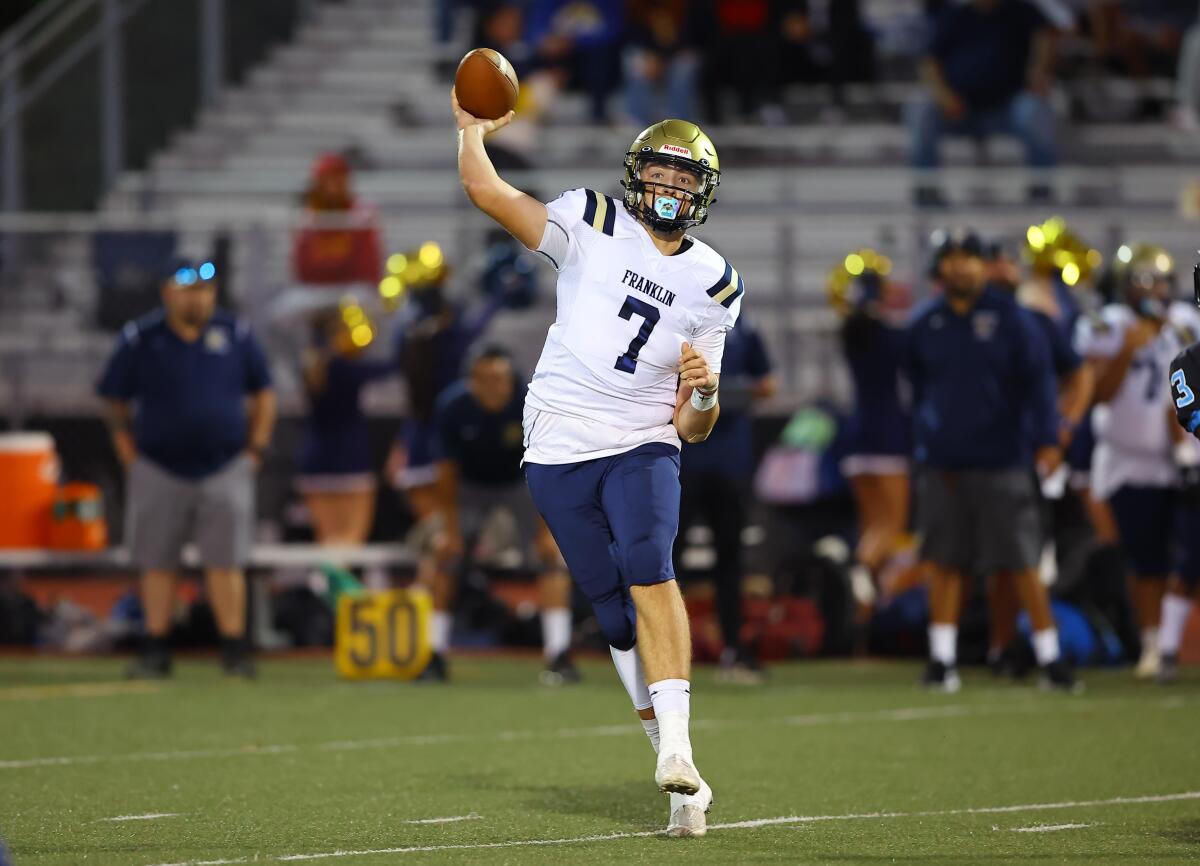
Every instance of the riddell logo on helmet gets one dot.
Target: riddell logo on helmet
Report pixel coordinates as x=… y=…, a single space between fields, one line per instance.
x=674 y=148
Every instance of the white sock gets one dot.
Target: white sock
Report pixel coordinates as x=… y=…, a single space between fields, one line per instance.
x=672 y=701
x=439 y=631
x=943 y=643
x=1150 y=639
x=1045 y=646
x=671 y=696
x=1175 y=612
x=556 y=631
x=650 y=726
x=629 y=669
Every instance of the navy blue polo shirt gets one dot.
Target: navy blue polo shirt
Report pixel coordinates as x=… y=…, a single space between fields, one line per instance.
x=983 y=386
x=984 y=54
x=486 y=446
x=729 y=448
x=188 y=397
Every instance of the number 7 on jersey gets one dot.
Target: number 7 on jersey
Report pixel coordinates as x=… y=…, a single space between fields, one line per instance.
x=627 y=362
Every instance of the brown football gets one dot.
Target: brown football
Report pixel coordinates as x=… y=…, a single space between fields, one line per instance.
x=486 y=84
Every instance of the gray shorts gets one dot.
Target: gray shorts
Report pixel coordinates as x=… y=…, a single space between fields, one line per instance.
x=165 y=512
x=478 y=504
x=978 y=522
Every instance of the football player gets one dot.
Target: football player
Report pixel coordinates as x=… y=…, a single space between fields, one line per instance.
x=1132 y=344
x=629 y=369
x=1177 y=603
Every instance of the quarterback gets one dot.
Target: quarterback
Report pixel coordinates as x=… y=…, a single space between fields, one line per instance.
x=630 y=368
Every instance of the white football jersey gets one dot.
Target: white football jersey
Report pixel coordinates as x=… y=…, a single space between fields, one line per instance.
x=1133 y=435
x=606 y=380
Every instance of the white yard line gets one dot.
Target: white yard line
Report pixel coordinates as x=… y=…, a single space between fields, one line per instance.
x=895 y=715
x=77 y=690
x=148 y=817
x=451 y=820
x=736 y=825
x=1045 y=828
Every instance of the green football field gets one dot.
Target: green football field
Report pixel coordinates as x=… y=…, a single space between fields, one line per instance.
x=829 y=763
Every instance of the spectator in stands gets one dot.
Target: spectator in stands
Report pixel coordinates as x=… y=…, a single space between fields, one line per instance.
x=499 y=24
x=716 y=476
x=574 y=44
x=1187 y=81
x=989 y=68
x=982 y=392
x=662 y=59
x=742 y=54
x=878 y=439
x=177 y=386
x=337 y=474
x=339 y=239
x=826 y=42
x=432 y=343
x=481 y=444
x=1141 y=37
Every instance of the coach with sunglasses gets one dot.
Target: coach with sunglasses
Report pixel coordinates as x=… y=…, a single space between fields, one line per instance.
x=191 y=411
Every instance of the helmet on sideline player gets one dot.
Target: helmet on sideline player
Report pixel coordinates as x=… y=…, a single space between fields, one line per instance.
x=1144 y=278
x=681 y=145
x=858 y=281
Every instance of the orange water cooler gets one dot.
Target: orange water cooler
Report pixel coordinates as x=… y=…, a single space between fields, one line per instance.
x=28 y=479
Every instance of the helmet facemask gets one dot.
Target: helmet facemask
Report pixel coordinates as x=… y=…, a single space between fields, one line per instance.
x=671 y=209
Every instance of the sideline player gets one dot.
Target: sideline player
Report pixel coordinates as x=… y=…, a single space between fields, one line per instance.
x=479 y=437
x=1134 y=466
x=630 y=367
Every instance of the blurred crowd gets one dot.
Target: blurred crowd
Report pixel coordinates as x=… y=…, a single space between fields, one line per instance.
x=716 y=60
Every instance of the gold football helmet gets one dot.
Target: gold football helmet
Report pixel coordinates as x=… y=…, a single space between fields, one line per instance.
x=682 y=145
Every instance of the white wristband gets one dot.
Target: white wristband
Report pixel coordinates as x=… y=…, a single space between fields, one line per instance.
x=701 y=403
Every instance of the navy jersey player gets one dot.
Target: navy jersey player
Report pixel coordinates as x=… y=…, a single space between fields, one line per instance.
x=629 y=369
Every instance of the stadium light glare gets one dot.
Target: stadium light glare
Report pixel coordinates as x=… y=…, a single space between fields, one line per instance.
x=430 y=255
x=397 y=262
x=855 y=264
x=1124 y=254
x=361 y=335
x=1070 y=273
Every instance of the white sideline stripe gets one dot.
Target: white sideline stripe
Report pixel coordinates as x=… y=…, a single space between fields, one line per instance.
x=1047 y=828
x=903 y=714
x=900 y=714
x=735 y=825
x=451 y=820
x=149 y=817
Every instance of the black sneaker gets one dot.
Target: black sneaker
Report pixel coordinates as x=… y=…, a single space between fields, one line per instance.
x=939 y=677
x=153 y=661
x=437 y=671
x=1168 y=669
x=1058 y=677
x=738 y=667
x=149 y=666
x=236 y=660
x=1013 y=662
x=561 y=671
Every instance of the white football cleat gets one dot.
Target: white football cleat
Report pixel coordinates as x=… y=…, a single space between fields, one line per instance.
x=675 y=774
x=688 y=813
x=1149 y=664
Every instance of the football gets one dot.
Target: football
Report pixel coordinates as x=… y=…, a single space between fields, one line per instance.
x=486 y=84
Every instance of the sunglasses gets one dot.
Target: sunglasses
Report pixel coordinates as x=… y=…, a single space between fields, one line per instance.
x=190 y=276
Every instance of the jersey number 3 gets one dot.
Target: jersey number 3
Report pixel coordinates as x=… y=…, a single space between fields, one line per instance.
x=1186 y=397
x=627 y=362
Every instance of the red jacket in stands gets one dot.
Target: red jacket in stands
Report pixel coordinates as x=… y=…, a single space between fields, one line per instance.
x=341 y=255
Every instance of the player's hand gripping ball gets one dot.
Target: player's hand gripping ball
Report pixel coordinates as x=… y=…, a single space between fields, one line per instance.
x=693 y=370
x=486 y=85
